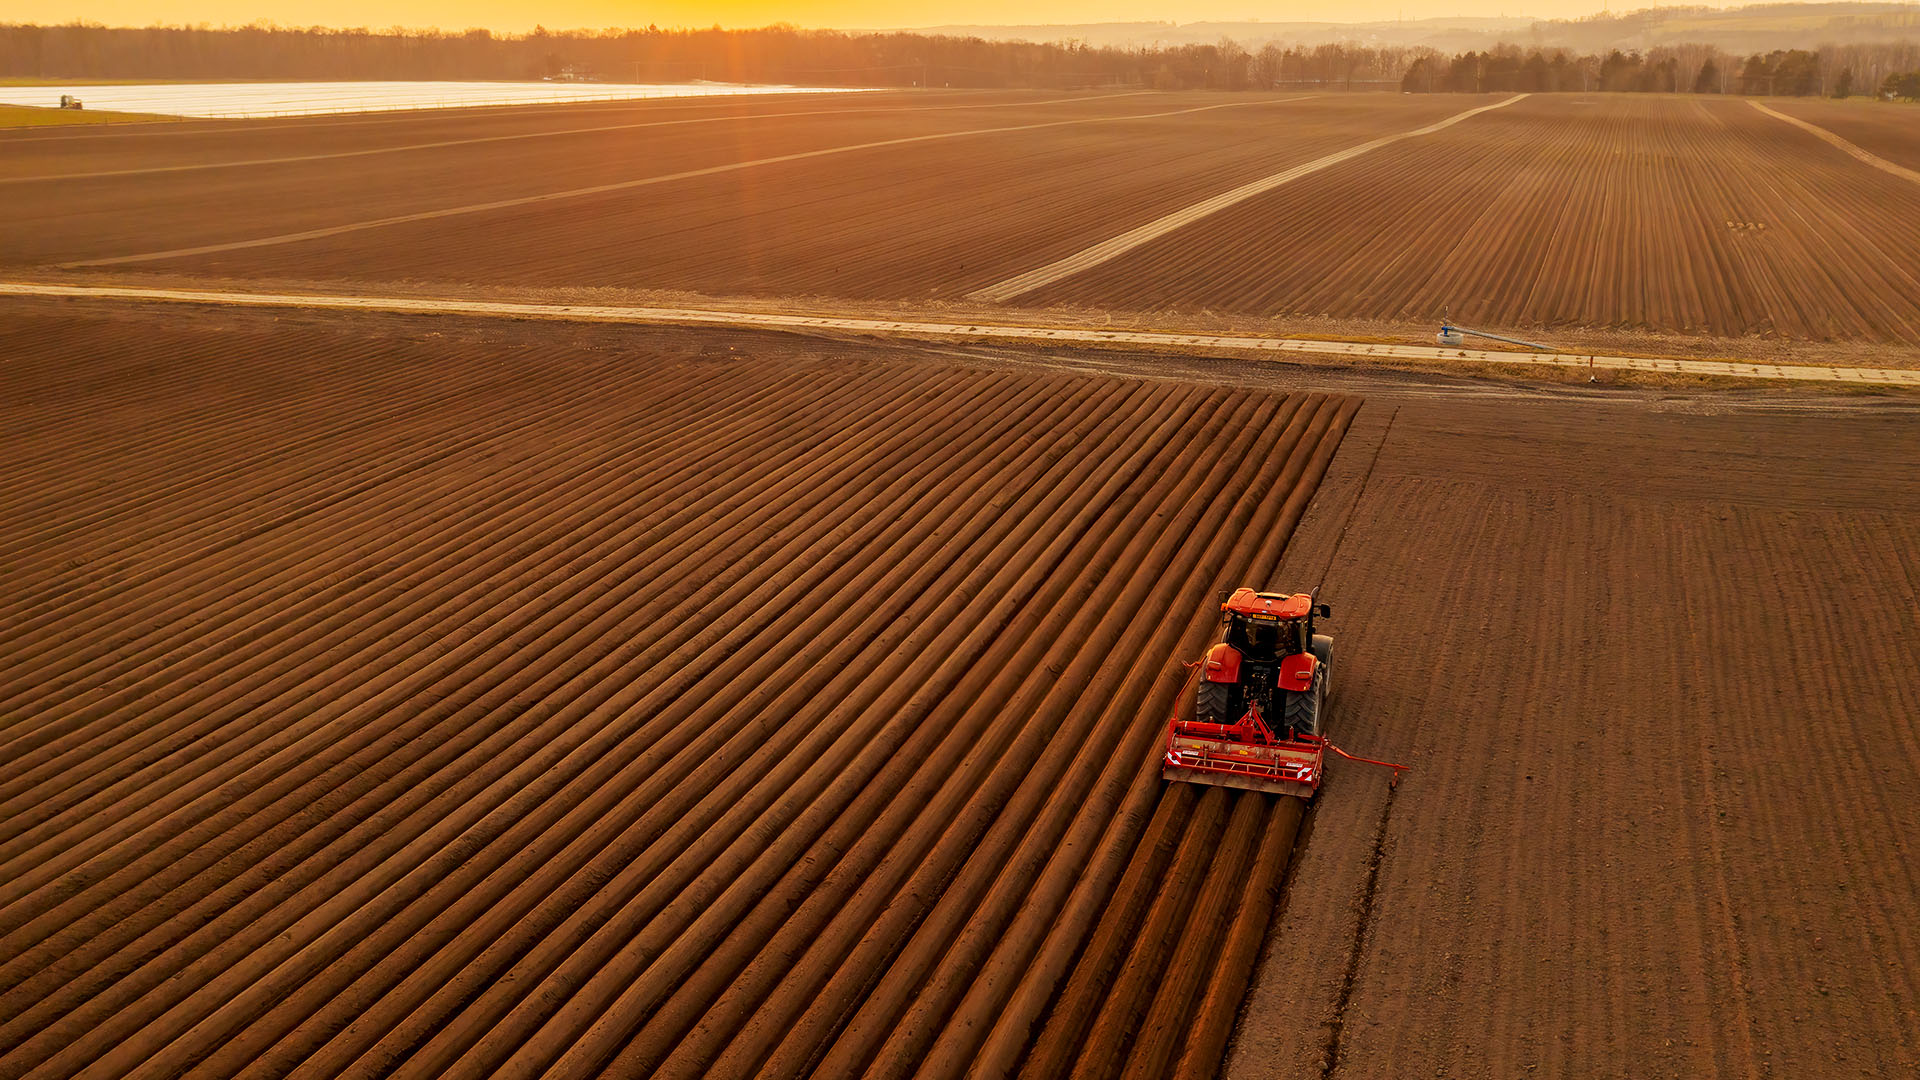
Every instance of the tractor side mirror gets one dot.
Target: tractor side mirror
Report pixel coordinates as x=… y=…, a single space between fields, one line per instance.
x=1325 y=611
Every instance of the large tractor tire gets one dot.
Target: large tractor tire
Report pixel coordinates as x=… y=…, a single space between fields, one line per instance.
x=1210 y=702
x=1323 y=651
x=1302 y=711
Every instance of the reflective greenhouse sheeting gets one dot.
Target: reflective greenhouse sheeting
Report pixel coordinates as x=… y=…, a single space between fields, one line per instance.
x=307 y=98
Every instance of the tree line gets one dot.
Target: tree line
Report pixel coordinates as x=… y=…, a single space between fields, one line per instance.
x=776 y=54
x=784 y=54
x=1891 y=71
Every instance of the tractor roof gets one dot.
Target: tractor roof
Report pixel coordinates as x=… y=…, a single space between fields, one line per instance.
x=1278 y=605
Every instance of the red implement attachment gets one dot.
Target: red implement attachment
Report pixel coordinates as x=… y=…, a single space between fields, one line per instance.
x=1282 y=766
x=1247 y=754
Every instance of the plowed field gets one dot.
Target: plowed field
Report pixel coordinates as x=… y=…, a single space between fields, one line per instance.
x=397 y=704
x=1890 y=130
x=362 y=173
x=1655 y=674
x=203 y=143
x=1619 y=211
x=913 y=219
x=442 y=696
x=1680 y=215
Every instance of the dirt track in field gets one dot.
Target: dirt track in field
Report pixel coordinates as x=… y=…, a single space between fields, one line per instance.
x=1888 y=129
x=1655 y=675
x=389 y=704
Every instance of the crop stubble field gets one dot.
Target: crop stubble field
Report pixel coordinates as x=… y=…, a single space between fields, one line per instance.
x=380 y=706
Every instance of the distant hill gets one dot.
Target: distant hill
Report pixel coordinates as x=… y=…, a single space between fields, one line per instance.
x=1758 y=28
x=1454 y=33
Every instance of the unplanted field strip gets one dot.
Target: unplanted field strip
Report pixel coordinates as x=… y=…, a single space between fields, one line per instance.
x=1845 y=146
x=600 y=129
x=645 y=181
x=766 y=320
x=1108 y=250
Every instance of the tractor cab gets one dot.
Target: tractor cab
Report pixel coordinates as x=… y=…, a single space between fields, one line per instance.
x=1266 y=627
x=1258 y=700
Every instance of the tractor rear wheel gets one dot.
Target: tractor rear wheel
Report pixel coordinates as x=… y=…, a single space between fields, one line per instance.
x=1210 y=702
x=1323 y=651
x=1302 y=712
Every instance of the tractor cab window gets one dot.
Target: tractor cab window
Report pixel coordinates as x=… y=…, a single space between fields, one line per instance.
x=1296 y=639
x=1258 y=639
x=1265 y=639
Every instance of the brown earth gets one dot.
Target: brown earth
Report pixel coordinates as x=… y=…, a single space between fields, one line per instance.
x=1888 y=129
x=1649 y=656
x=426 y=694
x=383 y=696
x=1580 y=214
x=1654 y=674
x=85 y=214
x=932 y=220
x=922 y=219
x=1625 y=211
x=390 y=694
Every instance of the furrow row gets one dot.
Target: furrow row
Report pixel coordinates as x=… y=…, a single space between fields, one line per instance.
x=584 y=712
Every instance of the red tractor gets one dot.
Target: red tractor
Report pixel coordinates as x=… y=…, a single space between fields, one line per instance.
x=1259 y=699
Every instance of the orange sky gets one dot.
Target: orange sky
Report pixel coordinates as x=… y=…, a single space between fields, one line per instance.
x=518 y=15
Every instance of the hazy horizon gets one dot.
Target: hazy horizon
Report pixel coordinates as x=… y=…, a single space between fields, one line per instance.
x=505 y=17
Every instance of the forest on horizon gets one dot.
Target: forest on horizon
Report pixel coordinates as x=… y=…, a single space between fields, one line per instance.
x=786 y=55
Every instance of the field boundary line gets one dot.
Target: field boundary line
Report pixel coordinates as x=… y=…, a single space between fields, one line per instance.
x=800 y=322
x=645 y=181
x=1849 y=148
x=481 y=139
x=1113 y=248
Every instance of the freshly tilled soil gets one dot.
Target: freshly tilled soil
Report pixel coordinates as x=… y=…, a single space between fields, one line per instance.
x=384 y=706
x=1044 y=176
x=1652 y=668
x=1623 y=211
x=1890 y=130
